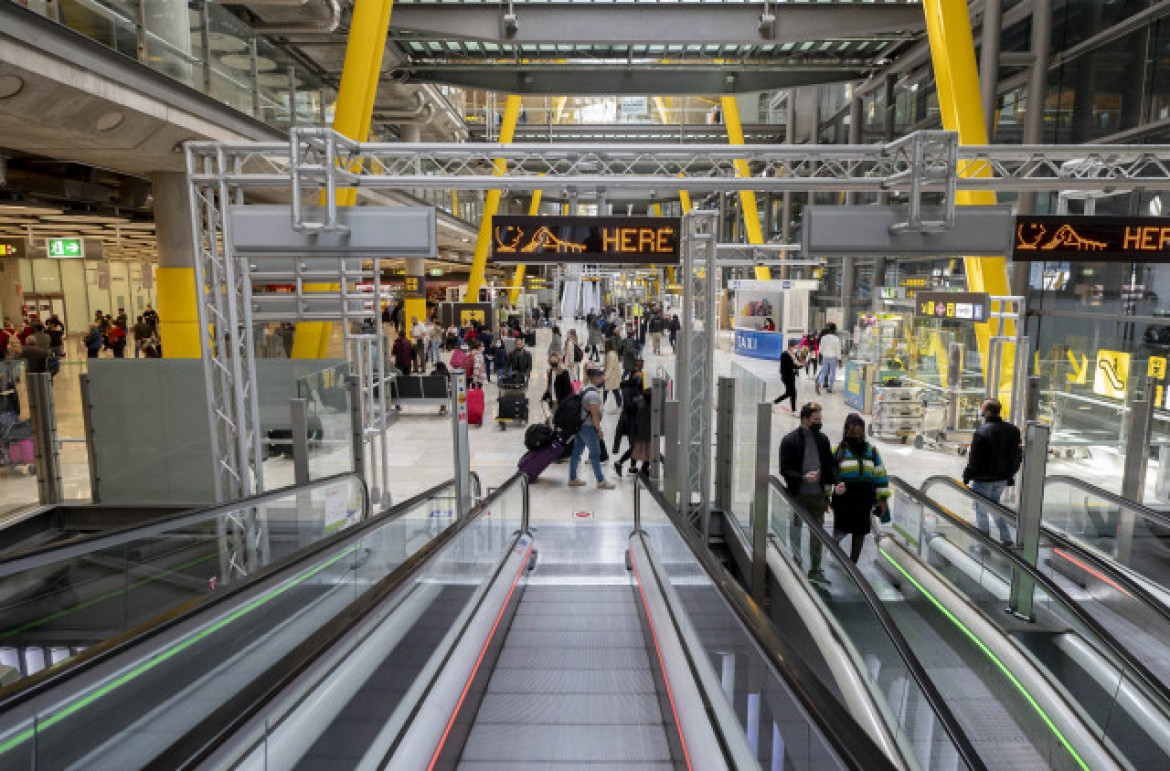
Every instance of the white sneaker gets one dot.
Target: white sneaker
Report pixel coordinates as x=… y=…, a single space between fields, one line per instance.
x=604 y=485
x=576 y=483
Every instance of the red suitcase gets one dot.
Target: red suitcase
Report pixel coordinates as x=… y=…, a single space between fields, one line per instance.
x=475 y=406
x=534 y=462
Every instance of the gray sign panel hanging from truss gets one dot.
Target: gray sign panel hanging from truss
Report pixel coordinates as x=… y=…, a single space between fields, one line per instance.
x=867 y=231
x=370 y=231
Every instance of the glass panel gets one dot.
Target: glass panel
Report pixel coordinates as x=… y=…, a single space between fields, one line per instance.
x=777 y=727
x=327 y=398
x=17 y=467
x=131 y=716
x=749 y=394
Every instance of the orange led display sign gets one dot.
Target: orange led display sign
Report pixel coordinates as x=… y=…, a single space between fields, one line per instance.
x=610 y=240
x=1091 y=239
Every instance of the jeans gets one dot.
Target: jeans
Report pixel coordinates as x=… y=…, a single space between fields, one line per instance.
x=587 y=437
x=828 y=373
x=816 y=505
x=992 y=492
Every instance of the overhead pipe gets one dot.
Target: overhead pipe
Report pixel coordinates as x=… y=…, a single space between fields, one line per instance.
x=326 y=27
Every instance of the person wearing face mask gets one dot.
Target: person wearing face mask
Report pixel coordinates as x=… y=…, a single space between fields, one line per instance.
x=995 y=457
x=861 y=484
x=810 y=472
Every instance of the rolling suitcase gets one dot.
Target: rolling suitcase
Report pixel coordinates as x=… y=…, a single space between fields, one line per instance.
x=475 y=406
x=512 y=406
x=533 y=463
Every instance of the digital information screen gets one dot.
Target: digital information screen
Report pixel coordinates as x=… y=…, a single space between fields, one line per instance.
x=585 y=240
x=1091 y=239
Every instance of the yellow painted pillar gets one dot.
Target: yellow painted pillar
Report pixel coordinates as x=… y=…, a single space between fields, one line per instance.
x=747 y=198
x=518 y=276
x=179 y=320
x=355 y=107
x=492 y=203
x=952 y=52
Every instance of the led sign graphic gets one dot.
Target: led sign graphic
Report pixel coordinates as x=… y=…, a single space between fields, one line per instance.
x=1091 y=239
x=611 y=240
x=953 y=306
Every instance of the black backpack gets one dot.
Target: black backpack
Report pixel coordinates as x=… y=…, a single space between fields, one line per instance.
x=568 y=419
x=538 y=436
x=578 y=354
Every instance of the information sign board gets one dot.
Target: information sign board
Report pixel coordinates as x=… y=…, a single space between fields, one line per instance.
x=13 y=247
x=65 y=248
x=585 y=240
x=1091 y=239
x=953 y=306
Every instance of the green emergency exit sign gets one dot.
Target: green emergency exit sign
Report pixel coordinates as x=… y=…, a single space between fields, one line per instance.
x=64 y=248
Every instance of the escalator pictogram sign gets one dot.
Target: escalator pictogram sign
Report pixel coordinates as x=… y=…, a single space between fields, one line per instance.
x=1111 y=375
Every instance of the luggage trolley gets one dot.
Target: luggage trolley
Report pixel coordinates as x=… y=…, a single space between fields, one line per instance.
x=512 y=403
x=897 y=412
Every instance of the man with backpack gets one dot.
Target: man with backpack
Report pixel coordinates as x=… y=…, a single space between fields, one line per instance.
x=656 y=327
x=589 y=434
x=629 y=353
x=92 y=342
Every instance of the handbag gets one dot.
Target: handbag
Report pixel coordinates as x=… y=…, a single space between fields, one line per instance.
x=883 y=516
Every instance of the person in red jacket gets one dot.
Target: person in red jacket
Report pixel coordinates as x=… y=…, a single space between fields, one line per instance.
x=116 y=338
x=402 y=352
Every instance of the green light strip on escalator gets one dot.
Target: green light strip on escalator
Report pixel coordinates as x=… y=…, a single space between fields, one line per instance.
x=165 y=655
x=994 y=659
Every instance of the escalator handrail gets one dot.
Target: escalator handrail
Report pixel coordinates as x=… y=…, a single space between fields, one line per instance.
x=825 y=709
x=1073 y=607
x=55 y=676
x=937 y=703
x=41 y=556
x=199 y=743
x=1161 y=518
x=1100 y=564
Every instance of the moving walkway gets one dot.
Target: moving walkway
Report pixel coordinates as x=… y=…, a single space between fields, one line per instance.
x=1036 y=684
x=491 y=645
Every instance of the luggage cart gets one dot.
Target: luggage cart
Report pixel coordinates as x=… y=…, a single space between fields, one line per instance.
x=512 y=402
x=944 y=424
x=897 y=413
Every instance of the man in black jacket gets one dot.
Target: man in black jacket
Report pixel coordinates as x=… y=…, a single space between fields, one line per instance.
x=788 y=369
x=995 y=457
x=810 y=471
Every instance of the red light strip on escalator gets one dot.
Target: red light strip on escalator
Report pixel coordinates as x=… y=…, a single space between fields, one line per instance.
x=658 y=652
x=478 y=661
x=1087 y=569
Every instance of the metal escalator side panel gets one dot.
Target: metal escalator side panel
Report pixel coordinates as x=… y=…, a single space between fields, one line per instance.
x=702 y=747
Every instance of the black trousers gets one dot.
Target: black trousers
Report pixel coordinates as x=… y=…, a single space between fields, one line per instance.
x=789 y=391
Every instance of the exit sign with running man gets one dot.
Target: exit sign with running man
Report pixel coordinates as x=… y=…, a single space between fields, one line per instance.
x=65 y=248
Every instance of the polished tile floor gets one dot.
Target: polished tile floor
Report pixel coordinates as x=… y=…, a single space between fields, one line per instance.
x=421 y=446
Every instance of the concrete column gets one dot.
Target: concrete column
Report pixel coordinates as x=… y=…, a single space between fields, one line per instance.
x=169 y=26
x=989 y=61
x=415 y=294
x=178 y=296
x=879 y=280
x=410 y=132
x=1034 y=118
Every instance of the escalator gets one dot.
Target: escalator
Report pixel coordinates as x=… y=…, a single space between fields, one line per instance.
x=1029 y=672
x=63 y=598
x=1130 y=604
x=485 y=648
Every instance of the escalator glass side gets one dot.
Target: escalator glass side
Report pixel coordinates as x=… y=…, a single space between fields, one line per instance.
x=910 y=707
x=78 y=594
x=1126 y=532
x=132 y=706
x=353 y=705
x=1114 y=697
x=779 y=728
x=1115 y=598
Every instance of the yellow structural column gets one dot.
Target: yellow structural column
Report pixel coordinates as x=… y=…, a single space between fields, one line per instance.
x=952 y=52
x=352 y=114
x=518 y=276
x=492 y=202
x=747 y=198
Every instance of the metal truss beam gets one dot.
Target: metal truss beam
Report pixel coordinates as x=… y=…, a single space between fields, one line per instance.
x=666 y=80
x=579 y=23
x=923 y=162
x=691 y=133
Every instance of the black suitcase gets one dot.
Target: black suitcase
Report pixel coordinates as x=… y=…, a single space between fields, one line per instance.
x=512 y=406
x=538 y=435
x=530 y=339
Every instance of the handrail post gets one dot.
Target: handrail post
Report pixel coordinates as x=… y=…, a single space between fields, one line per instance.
x=724 y=443
x=299 y=421
x=458 y=412
x=760 y=503
x=1031 y=510
x=44 y=430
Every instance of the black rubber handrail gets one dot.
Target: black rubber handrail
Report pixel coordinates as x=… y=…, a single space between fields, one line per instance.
x=1108 y=567
x=937 y=703
x=1161 y=518
x=41 y=556
x=840 y=728
x=52 y=677
x=217 y=728
x=1072 y=606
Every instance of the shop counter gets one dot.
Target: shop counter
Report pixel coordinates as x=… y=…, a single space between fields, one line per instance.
x=758 y=344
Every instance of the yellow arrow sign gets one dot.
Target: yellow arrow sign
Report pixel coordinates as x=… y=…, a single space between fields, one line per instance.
x=1080 y=372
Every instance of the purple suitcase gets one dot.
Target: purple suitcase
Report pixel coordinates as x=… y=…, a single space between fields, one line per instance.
x=534 y=462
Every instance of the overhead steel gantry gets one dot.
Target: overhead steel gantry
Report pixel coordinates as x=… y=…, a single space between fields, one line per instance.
x=321 y=165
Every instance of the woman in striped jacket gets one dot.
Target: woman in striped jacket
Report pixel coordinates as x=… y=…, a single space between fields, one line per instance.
x=861 y=485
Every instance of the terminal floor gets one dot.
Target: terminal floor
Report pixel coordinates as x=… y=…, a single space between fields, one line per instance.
x=421 y=455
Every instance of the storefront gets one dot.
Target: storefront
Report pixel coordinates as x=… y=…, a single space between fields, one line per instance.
x=766 y=314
